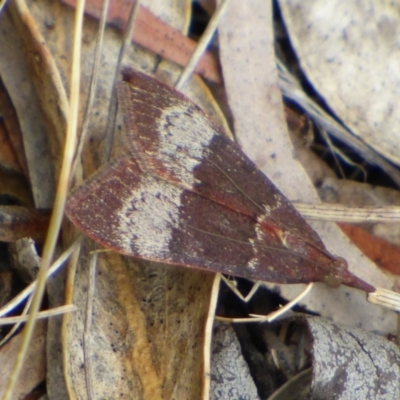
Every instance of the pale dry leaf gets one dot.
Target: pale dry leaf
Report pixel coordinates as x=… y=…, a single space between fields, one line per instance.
x=246 y=41
x=34 y=370
x=175 y=13
x=347 y=50
x=15 y=73
x=147 y=330
x=292 y=89
x=387 y=232
x=59 y=41
x=45 y=77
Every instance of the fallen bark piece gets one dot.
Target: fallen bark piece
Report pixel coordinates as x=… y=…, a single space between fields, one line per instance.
x=349 y=363
x=230 y=374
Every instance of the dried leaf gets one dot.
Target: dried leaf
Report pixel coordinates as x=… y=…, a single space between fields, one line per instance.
x=346 y=51
x=34 y=371
x=155 y=35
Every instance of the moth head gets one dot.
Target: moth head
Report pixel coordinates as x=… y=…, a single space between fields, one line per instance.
x=339 y=270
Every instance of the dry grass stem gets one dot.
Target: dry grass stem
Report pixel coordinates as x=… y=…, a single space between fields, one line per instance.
x=385 y=298
x=59 y=202
x=202 y=44
x=340 y=213
x=93 y=82
x=41 y=314
x=16 y=301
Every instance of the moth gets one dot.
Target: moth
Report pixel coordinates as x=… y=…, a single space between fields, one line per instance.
x=185 y=194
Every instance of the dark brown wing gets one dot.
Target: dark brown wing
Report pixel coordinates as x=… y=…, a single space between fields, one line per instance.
x=143 y=216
